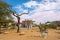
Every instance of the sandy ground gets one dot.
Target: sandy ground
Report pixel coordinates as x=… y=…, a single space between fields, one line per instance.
x=30 y=34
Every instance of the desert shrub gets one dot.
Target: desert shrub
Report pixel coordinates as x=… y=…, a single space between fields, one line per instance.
x=51 y=25
x=11 y=27
x=44 y=26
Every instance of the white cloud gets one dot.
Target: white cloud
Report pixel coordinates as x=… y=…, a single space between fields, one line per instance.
x=30 y=4
x=25 y=16
x=19 y=7
x=15 y=19
x=58 y=1
x=25 y=11
x=44 y=11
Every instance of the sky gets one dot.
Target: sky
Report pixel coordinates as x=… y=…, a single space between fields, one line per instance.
x=40 y=11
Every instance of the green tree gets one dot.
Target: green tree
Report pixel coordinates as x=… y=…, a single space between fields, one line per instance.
x=5 y=14
x=4 y=11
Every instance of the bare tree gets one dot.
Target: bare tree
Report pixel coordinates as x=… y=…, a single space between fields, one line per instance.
x=18 y=18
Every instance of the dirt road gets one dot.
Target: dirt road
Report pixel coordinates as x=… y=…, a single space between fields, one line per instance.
x=31 y=34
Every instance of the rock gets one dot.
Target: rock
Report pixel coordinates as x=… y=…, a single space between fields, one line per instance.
x=21 y=33
x=6 y=32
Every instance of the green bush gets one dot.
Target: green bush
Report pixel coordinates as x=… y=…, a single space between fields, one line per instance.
x=51 y=25
x=43 y=26
x=11 y=27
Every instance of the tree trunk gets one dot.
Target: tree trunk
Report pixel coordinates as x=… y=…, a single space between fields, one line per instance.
x=18 y=25
x=18 y=28
x=0 y=29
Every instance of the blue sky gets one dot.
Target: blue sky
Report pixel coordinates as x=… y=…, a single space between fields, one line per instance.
x=39 y=10
x=15 y=3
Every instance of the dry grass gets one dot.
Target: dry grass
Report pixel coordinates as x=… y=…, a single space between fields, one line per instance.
x=31 y=34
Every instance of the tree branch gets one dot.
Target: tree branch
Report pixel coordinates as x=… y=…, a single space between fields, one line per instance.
x=14 y=14
x=23 y=13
